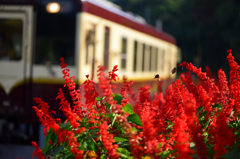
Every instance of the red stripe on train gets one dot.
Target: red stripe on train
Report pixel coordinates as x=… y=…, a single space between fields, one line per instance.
x=147 y=29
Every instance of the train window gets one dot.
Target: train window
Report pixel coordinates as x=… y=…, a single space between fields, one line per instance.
x=90 y=43
x=135 y=56
x=87 y=51
x=55 y=33
x=11 y=39
x=143 y=56
x=156 y=59
x=162 y=59
x=150 y=58
x=170 y=59
x=124 y=53
x=106 y=46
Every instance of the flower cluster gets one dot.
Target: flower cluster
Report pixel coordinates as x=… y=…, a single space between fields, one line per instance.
x=188 y=120
x=108 y=141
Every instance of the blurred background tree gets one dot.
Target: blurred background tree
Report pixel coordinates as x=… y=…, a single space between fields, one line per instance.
x=204 y=29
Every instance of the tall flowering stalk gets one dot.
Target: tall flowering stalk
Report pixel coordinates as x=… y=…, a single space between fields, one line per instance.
x=234 y=81
x=188 y=120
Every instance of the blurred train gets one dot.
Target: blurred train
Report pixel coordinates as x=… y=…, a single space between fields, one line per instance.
x=34 y=34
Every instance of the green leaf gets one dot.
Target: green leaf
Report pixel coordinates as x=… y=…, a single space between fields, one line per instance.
x=46 y=148
x=123 y=144
x=92 y=136
x=232 y=154
x=65 y=126
x=123 y=152
x=119 y=139
x=160 y=145
x=205 y=133
x=231 y=114
x=170 y=124
x=238 y=117
x=58 y=156
x=107 y=105
x=54 y=138
x=103 y=156
x=83 y=146
x=67 y=156
x=90 y=145
x=134 y=118
x=204 y=113
x=206 y=125
x=128 y=109
x=110 y=116
x=49 y=133
x=166 y=153
x=84 y=119
x=59 y=149
x=93 y=130
x=118 y=98
x=135 y=129
x=199 y=109
x=98 y=99
x=47 y=138
x=202 y=118
x=216 y=105
x=47 y=154
x=80 y=139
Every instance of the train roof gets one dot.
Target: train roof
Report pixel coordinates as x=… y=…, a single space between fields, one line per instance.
x=109 y=11
x=112 y=12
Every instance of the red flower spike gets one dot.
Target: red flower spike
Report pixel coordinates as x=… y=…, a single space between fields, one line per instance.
x=113 y=75
x=34 y=144
x=108 y=141
x=229 y=51
x=184 y=64
x=37 y=151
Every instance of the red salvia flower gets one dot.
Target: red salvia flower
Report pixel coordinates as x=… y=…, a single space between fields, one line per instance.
x=223 y=136
x=105 y=85
x=113 y=75
x=234 y=80
x=170 y=119
x=181 y=138
x=108 y=141
x=37 y=151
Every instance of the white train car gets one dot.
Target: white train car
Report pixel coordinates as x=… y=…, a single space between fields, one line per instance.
x=34 y=34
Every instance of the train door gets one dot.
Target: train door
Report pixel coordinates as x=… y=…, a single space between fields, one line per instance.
x=15 y=45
